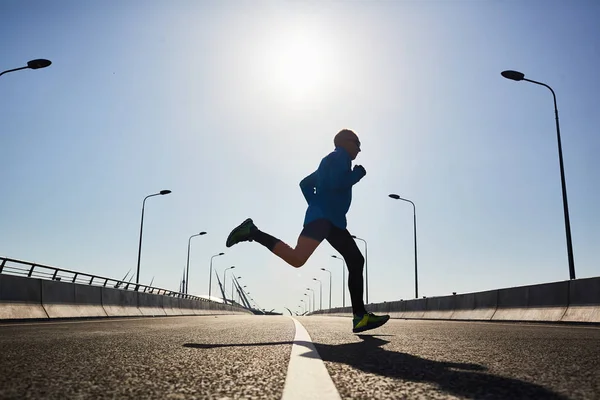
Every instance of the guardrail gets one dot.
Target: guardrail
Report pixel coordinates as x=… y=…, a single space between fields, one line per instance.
x=12 y=266
x=576 y=300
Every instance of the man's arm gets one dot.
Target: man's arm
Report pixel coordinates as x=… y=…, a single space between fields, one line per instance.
x=332 y=173
x=307 y=185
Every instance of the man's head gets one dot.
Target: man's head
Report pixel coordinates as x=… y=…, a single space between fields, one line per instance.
x=347 y=140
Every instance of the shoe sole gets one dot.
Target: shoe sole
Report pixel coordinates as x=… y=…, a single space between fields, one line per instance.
x=369 y=327
x=229 y=243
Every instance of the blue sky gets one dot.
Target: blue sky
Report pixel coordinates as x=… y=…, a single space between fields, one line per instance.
x=231 y=104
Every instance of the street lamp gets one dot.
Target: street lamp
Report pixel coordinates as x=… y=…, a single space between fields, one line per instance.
x=33 y=64
x=395 y=196
x=320 y=293
x=303 y=306
x=224 y=287
x=306 y=294
x=366 y=267
x=313 y=298
x=519 y=76
x=232 y=287
x=343 y=280
x=187 y=273
x=323 y=269
x=161 y=193
x=210 y=274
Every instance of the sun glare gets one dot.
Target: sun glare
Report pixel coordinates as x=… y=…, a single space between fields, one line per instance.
x=299 y=64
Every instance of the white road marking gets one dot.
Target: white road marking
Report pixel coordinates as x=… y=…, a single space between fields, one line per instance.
x=307 y=377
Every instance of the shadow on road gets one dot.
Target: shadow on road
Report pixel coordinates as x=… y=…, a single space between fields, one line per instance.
x=458 y=379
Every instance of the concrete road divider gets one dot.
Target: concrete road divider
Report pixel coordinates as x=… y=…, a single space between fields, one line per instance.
x=20 y=298
x=584 y=301
x=171 y=305
x=120 y=302
x=68 y=300
x=150 y=304
x=546 y=302
x=439 y=307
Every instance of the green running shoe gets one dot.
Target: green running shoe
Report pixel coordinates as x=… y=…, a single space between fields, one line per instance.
x=243 y=233
x=368 y=321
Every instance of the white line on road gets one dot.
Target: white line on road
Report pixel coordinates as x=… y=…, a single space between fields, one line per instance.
x=307 y=377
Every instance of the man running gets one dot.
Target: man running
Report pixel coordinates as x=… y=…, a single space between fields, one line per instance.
x=328 y=192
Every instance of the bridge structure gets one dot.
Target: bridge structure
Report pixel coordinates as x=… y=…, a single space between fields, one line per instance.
x=66 y=334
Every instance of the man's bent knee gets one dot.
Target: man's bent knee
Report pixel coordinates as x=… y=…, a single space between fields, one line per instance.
x=297 y=262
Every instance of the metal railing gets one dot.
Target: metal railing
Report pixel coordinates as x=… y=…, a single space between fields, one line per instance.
x=11 y=266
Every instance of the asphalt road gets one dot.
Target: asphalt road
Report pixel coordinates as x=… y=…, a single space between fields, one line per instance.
x=233 y=357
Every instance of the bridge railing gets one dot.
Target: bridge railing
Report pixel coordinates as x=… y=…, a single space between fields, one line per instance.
x=12 y=266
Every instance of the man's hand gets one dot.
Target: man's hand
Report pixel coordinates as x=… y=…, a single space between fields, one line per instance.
x=360 y=170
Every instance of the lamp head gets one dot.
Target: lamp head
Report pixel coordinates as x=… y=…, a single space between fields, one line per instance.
x=163 y=192
x=221 y=254
x=513 y=75
x=394 y=196
x=202 y=233
x=38 y=63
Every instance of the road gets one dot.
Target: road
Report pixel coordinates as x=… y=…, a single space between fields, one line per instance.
x=234 y=357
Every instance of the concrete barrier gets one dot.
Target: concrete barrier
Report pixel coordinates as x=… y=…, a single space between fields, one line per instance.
x=584 y=301
x=439 y=307
x=414 y=309
x=20 y=298
x=546 y=302
x=120 y=303
x=150 y=304
x=67 y=300
x=171 y=305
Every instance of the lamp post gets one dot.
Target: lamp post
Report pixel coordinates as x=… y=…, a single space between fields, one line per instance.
x=323 y=269
x=187 y=268
x=313 y=298
x=343 y=280
x=519 y=76
x=224 y=287
x=303 y=306
x=232 y=287
x=33 y=64
x=161 y=193
x=320 y=293
x=210 y=274
x=396 y=197
x=366 y=267
x=306 y=294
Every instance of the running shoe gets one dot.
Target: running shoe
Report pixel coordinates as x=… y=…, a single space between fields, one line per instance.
x=242 y=233
x=368 y=321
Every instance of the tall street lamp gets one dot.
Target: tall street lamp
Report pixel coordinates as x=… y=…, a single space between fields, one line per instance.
x=161 y=193
x=225 y=287
x=33 y=64
x=320 y=293
x=187 y=269
x=343 y=280
x=303 y=306
x=232 y=287
x=395 y=196
x=306 y=294
x=313 y=298
x=519 y=76
x=323 y=269
x=366 y=267
x=210 y=274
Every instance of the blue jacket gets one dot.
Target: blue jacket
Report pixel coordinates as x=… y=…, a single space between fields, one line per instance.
x=328 y=190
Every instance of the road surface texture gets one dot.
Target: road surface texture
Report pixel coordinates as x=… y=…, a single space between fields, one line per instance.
x=247 y=357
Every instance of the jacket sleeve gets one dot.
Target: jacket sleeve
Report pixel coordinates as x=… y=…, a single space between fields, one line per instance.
x=334 y=174
x=307 y=185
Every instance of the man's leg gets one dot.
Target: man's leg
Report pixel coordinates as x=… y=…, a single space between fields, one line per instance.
x=311 y=236
x=342 y=241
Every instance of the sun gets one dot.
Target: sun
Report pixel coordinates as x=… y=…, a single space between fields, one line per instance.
x=299 y=63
